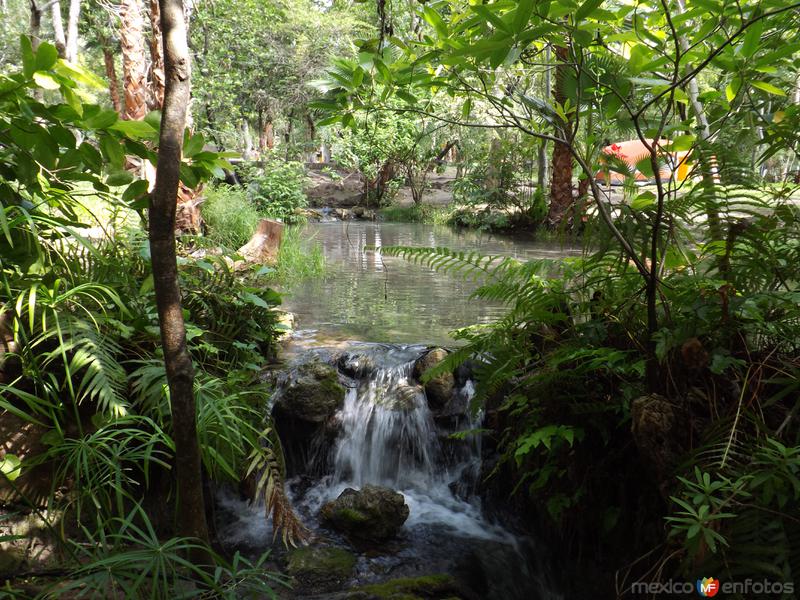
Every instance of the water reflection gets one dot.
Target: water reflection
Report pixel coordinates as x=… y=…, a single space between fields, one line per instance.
x=370 y=297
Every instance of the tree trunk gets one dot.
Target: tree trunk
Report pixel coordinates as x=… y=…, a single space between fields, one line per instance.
x=155 y=97
x=134 y=67
x=58 y=29
x=72 y=30
x=561 y=180
x=704 y=161
x=180 y=374
x=541 y=167
x=111 y=75
x=35 y=24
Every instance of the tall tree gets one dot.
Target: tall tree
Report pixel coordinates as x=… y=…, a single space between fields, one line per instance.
x=155 y=96
x=180 y=372
x=134 y=64
x=561 y=200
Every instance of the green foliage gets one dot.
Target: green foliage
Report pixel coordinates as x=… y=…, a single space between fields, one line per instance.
x=131 y=559
x=277 y=191
x=298 y=259
x=84 y=356
x=565 y=363
x=229 y=215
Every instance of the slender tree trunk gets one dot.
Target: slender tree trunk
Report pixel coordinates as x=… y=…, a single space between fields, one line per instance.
x=134 y=64
x=541 y=171
x=561 y=200
x=703 y=159
x=35 y=24
x=111 y=75
x=58 y=29
x=180 y=373
x=155 y=97
x=72 y=30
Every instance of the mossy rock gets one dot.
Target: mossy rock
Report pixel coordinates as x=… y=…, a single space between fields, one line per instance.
x=321 y=568
x=313 y=393
x=428 y=587
x=373 y=513
x=439 y=389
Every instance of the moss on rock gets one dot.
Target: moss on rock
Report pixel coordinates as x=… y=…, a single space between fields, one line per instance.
x=321 y=568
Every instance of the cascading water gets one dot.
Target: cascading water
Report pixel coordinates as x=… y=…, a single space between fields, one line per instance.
x=388 y=435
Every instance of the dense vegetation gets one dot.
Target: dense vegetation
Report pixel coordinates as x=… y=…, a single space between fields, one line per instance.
x=642 y=399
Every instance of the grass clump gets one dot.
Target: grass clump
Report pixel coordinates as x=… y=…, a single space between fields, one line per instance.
x=416 y=213
x=230 y=216
x=298 y=260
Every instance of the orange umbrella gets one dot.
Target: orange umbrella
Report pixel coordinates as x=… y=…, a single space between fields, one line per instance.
x=632 y=152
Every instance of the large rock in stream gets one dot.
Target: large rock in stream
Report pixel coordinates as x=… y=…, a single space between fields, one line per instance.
x=307 y=399
x=439 y=389
x=372 y=514
x=312 y=393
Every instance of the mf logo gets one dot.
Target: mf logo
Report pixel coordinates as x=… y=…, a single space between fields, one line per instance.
x=707 y=587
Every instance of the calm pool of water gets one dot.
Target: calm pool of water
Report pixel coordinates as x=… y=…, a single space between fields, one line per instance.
x=368 y=297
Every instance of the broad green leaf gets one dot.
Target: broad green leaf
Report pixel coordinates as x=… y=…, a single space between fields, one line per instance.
x=435 y=20
x=487 y=14
x=112 y=150
x=768 y=87
x=522 y=15
x=11 y=466
x=135 y=129
x=751 y=39
x=102 y=120
x=119 y=177
x=681 y=143
x=586 y=9
x=46 y=81
x=28 y=58
x=193 y=144
x=46 y=56
x=643 y=200
x=733 y=88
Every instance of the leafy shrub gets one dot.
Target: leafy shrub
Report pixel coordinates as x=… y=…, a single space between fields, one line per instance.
x=229 y=215
x=277 y=191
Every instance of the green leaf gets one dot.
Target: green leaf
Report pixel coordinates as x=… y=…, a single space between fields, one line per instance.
x=46 y=56
x=768 y=87
x=681 y=143
x=102 y=120
x=135 y=129
x=193 y=144
x=112 y=150
x=11 y=466
x=28 y=58
x=522 y=15
x=733 y=88
x=46 y=81
x=751 y=39
x=119 y=177
x=586 y=10
x=435 y=20
x=643 y=200
x=487 y=14
x=135 y=190
x=466 y=108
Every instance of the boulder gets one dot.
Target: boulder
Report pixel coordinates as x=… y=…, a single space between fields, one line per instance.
x=439 y=389
x=321 y=569
x=372 y=514
x=312 y=393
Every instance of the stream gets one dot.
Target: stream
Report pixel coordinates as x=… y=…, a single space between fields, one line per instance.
x=369 y=320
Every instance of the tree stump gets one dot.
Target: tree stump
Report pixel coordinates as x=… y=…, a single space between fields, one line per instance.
x=263 y=246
